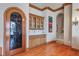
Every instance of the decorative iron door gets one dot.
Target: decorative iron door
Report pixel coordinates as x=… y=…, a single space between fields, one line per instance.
x=14 y=35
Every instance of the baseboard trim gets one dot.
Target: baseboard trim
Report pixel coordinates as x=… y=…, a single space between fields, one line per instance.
x=67 y=43
x=60 y=42
x=0 y=51
x=51 y=41
x=75 y=49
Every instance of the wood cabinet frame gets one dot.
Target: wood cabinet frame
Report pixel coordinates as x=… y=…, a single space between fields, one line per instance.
x=36 y=21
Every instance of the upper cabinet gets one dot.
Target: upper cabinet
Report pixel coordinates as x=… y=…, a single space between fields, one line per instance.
x=36 y=22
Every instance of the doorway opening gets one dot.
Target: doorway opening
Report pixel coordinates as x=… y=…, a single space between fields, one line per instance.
x=60 y=26
x=14 y=31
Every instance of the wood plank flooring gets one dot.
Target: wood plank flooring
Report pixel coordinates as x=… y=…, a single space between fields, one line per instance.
x=0 y=51
x=50 y=49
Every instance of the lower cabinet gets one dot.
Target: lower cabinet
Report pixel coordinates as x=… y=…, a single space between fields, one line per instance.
x=32 y=43
x=36 y=40
x=43 y=40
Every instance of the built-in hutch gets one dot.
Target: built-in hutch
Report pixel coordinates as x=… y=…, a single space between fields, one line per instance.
x=36 y=23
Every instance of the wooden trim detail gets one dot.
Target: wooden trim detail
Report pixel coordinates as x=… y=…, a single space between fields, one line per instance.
x=48 y=9
x=42 y=9
x=37 y=36
x=66 y=4
x=51 y=42
x=35 y=7
x=59 y=8
x=36 y=15
x=53 y=10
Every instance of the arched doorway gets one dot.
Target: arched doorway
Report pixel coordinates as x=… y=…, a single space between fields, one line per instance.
x=60 y=26
x=14 y=31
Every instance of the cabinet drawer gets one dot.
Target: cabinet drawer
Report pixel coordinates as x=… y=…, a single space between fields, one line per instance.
x=33 y=43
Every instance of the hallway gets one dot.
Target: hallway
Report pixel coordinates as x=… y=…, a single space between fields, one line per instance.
x=50 y=49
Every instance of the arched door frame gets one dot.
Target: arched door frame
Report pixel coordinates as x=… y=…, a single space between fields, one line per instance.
x=7 y=14
x=57 y=23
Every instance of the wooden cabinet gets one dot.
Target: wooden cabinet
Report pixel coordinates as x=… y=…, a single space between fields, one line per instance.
x=36 y=40
x=43 y=40
x=33 y=42
x=36 y=22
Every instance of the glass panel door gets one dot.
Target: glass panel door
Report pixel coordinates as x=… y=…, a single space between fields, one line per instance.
x=15 y=31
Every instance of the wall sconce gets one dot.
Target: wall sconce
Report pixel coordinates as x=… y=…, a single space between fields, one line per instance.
x=75 y=22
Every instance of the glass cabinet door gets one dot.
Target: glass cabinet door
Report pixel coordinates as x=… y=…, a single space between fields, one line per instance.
x=41 y=23
x=34 y=22
x=38 y=23
x=30 y=22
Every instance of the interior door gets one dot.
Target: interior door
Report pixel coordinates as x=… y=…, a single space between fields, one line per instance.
x=14 y=31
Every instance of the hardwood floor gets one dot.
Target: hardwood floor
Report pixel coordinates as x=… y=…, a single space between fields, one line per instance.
x=0 y=51
x=50 y=49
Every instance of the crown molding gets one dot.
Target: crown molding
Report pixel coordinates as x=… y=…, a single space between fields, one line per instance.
x=36 y=15
x=48 y=9
x=60 y=8
x=42 y=9
x=53 y=10
x=35 y=7
x=66 y=4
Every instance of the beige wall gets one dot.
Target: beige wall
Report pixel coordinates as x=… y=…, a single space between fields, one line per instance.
x=67 y=24
x=75 y=29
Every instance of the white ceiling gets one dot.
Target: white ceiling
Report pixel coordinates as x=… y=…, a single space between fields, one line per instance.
x=51 y=5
